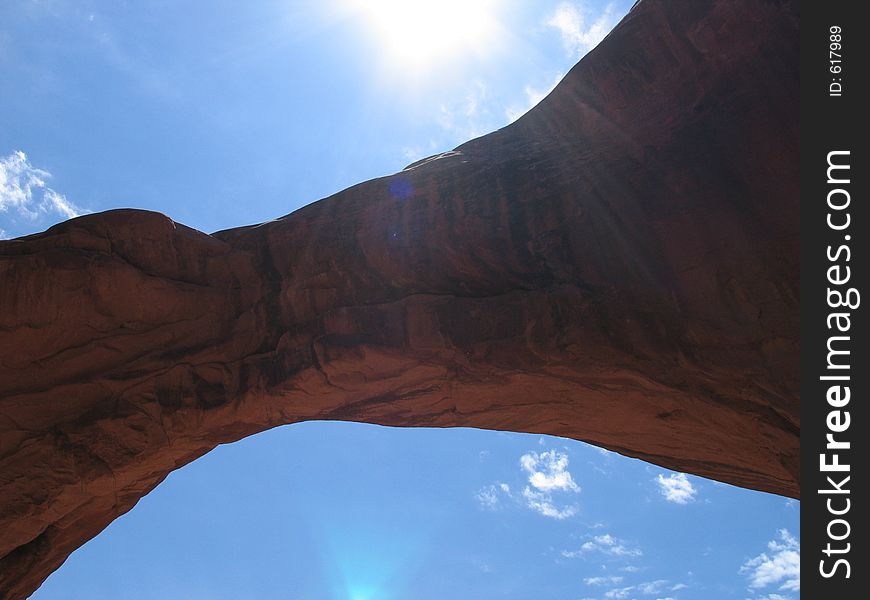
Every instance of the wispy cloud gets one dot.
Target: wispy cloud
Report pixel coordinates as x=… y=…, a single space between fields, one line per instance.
x=605 y=544
x=470 y=117
x=781 y=567
x=649 y=588
x=612 y=580
x=579 y=35
x=676 y=488
x=619 y=593
x=653 y=587
x=533 y=96
x=52 y=201
x=543 y=503
x=487 y=497
x=482 y=566
x=24 y=192
x=548 y=473
x=490 y=496
x=417 y=152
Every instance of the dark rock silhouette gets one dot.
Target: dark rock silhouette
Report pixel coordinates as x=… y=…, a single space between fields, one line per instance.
x=619 y=266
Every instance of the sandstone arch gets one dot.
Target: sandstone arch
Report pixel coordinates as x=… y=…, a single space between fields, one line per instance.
x=618 y=266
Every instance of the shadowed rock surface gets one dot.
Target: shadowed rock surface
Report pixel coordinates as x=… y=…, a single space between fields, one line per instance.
x=619 y=266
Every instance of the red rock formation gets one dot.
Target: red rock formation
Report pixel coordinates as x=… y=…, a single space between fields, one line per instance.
x=619 y=266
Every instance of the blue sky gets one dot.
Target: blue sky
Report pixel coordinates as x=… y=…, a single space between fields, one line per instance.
x=223 y=114
x=359 y=512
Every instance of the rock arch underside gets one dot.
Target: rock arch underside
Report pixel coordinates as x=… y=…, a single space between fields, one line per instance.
x=619 y=266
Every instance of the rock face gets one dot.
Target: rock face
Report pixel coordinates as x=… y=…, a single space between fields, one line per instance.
x=619 y=266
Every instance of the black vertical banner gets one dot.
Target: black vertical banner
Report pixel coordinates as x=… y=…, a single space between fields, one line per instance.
x=835 y=369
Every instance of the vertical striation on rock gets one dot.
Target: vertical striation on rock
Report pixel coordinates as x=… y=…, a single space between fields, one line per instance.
x=619 y=266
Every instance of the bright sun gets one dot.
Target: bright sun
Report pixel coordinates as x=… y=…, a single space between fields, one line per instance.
x=423 y=31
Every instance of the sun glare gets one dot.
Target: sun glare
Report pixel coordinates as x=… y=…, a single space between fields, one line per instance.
x=424 y=31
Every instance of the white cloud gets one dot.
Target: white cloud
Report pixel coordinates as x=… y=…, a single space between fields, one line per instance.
x=23 y=191
x=612 y=580
x=781 y=567
x=578 y=37
x=676 y=488
x=548 y=473
x=605 y=544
